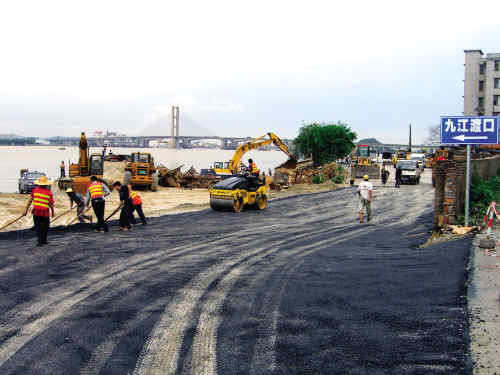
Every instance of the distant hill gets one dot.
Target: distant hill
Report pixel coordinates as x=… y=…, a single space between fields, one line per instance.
x=188 y=127
x=371 y=141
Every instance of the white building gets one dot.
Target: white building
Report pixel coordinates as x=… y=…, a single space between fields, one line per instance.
x=481 y=83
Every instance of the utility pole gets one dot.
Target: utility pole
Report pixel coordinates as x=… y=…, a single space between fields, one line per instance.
x=409 y=143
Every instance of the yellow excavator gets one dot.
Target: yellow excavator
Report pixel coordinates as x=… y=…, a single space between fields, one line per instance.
x=234 y=166
x=88 y=165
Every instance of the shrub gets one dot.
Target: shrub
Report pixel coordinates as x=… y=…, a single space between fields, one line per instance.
x=318 y=179
x=338 y=179
x=482 y=193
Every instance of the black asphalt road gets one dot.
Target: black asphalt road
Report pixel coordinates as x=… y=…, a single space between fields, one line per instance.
x=300 y=288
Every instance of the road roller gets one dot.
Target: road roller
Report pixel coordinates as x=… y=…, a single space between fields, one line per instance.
x=238 y=192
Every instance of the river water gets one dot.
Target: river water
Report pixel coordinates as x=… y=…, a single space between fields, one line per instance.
x=47 y=159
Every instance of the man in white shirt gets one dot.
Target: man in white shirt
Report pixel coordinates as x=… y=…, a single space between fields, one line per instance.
x=365 y=191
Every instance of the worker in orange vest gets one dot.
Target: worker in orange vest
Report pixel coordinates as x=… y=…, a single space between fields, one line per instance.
x=136 y=206
x=254 y=170
x=95 y=194
x=43 y=205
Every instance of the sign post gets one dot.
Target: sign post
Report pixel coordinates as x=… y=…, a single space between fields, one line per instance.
x=469 y=130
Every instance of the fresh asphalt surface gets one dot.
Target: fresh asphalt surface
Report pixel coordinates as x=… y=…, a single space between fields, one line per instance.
x=300 y=288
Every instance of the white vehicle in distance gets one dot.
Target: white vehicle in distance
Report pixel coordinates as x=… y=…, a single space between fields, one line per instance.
x=410 y=171
x=420 y=158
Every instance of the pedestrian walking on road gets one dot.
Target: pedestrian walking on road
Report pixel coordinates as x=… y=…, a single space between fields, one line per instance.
x=365 y=191
x=136 y=206
x=43 y=206
x=399 y=173
x=63 y=169
x=384 y=174
x=80 y=203
x=127 y=205
x=95 y=194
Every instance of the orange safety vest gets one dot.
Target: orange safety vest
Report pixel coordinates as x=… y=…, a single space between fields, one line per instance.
x=95 y=190
x=254 y=168
x=136 y=198
x=41 y=199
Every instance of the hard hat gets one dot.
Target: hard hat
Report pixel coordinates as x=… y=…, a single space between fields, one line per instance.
x=365 y=177
x=43 y=181
x=69 y=190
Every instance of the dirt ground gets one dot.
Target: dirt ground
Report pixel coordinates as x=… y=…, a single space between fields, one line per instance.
x=299 y=288
x=162 y=202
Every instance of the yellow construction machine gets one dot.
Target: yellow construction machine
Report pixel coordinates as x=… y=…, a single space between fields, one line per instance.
x=236 y=192
x=141 y=171
x=88 y=165
x=400 y=155
x=234 y=166
x=363 y=163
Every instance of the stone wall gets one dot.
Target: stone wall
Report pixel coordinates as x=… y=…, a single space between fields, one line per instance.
x=450 y=180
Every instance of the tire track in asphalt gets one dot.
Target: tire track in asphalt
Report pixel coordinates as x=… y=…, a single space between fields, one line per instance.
x=178 y=314
x=203 y=354
x=54 y=304
x=155 y=361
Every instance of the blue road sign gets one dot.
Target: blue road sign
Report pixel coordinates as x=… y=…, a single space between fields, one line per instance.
x=469 y=130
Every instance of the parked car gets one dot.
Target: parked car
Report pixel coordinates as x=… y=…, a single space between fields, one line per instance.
x=27 y=180
x=410 y=171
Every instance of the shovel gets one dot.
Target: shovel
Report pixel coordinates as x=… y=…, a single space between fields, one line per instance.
x=12 y=222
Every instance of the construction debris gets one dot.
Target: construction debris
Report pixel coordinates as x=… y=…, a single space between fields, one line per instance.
x=190 y=179
x=305 y=173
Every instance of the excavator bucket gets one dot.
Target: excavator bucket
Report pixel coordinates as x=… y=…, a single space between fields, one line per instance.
x=373 y=171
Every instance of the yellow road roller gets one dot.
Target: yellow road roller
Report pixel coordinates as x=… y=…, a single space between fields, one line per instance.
x=237 y=192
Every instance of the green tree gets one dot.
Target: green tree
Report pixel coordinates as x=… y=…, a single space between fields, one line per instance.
x=326 y=142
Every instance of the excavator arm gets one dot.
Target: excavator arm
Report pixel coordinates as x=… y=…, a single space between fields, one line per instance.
x=235 y=162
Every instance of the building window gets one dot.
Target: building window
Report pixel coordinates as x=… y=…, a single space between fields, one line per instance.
x=496 y=99
x=496 y=83
x=497 y=65
x=496 y=113
x=481 y=85
x=481 y=68
x=480 y=102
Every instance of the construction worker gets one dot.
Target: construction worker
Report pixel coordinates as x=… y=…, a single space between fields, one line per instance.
x=254 y=170
x=136 y=206
x=384 y=174
x=365 y=191
x=80 y=205
x=399 y=174
x=63 y=169
x=43 y=207
x=127 y=205
x=95 y=194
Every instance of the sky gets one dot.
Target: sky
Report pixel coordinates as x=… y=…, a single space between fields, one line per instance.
x=237 y=68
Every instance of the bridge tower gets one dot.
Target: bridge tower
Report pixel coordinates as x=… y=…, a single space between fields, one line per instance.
x=174 y=131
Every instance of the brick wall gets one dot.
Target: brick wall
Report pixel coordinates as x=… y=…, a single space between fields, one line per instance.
x=450 y=180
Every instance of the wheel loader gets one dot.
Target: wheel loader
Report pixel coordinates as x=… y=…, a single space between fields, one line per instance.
x=238 y=192
x=141 y=171
x=363 y=163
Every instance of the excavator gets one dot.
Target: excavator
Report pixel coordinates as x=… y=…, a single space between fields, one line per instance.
x=240 y=190
x=88 y=165
x=234 y=166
